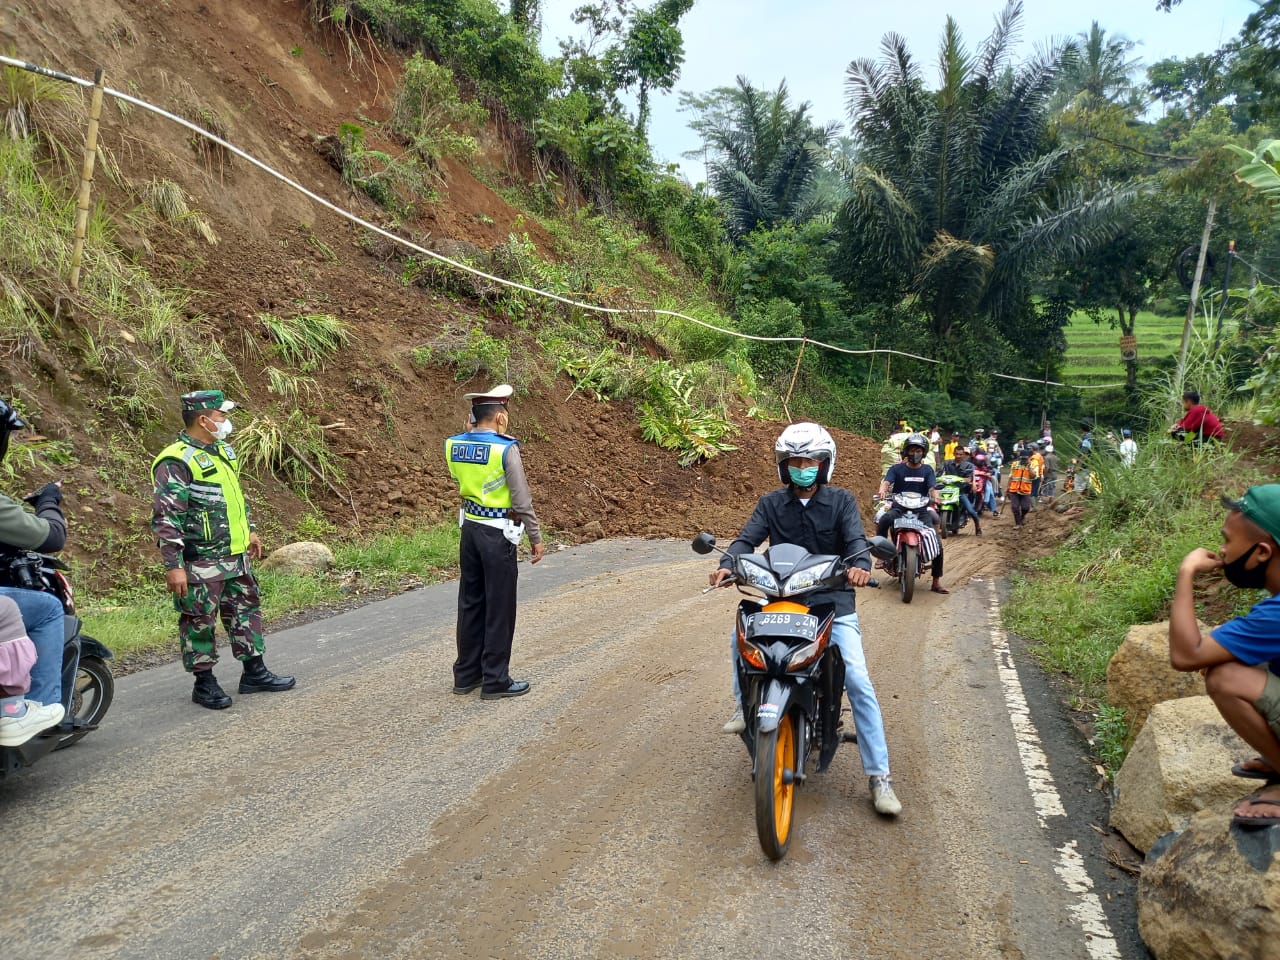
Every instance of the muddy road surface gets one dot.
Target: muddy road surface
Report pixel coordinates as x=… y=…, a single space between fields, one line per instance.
x=371 y=813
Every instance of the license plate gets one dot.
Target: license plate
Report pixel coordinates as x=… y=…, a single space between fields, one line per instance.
x=781 y=624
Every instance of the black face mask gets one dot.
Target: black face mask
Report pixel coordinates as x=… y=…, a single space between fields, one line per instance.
x=915 y=458
x=1246 y=579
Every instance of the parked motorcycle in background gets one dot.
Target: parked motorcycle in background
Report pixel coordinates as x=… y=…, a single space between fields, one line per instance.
x=790 y=674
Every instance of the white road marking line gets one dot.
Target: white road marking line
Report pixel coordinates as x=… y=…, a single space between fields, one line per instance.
x=1034 y=763
x=1085 y=907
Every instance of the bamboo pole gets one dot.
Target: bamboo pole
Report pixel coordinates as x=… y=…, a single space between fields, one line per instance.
x=1195 y=291
x=86 y=178
x=794 y=373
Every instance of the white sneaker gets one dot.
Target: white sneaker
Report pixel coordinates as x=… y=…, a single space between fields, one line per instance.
x=737 y=723
x=15 y=731
x=883 y=798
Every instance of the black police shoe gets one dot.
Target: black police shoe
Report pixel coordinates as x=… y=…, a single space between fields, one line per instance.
x=517 y=688
x=207 y=693
x=258 y=679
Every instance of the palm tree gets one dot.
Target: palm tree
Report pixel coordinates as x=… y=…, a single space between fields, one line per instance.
x=959 y=201
x=1096 y=70
x=764 y=154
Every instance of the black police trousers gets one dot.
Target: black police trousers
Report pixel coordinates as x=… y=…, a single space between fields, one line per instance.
x=486 y=607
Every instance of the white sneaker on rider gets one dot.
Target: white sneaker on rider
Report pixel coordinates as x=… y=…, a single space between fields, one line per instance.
x=737 y=723
x=882 y=796
x=15 y=731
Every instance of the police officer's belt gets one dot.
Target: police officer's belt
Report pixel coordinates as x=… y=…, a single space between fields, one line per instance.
x=473 y=509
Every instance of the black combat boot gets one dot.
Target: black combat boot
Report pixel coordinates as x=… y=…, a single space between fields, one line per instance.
x=207 y=693
x=258 y=679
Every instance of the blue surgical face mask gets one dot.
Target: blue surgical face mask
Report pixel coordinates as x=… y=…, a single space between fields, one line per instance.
x=804 y=479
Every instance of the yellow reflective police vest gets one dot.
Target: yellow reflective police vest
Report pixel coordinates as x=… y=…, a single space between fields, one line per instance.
x=475 y=462
x=216 y=514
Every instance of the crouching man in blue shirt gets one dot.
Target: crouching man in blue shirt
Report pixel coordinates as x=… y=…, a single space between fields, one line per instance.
x=1240 y=658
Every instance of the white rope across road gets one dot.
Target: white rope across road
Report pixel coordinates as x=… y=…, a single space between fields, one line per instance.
x=467 y=268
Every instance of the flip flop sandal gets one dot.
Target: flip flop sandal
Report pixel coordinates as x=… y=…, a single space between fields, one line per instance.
x=1271 y=777
x=942 y=590
x=1256 y=823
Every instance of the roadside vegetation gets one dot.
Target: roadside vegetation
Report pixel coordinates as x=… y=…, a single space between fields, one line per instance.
x=1118 y=568
x=139 y=620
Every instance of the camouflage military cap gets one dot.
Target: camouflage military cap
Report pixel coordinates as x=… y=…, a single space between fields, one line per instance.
x=206 y=400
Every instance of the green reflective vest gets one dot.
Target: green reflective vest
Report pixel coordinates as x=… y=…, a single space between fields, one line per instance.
x=216 y=524
x=475 y=461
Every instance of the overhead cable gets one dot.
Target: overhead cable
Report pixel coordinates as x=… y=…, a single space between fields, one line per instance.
x=467 y=268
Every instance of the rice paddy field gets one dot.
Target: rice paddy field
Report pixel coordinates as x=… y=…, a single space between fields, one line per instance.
x=1093 y=349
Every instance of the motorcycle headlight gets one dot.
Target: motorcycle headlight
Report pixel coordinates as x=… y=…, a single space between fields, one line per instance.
x=757 y=576
x=810 y=651
x=806 y=578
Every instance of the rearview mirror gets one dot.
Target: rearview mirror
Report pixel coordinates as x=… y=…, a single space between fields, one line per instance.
x=882 y=548
x=703 y=543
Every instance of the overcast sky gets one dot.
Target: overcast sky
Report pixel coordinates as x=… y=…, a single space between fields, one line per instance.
x=811 y=42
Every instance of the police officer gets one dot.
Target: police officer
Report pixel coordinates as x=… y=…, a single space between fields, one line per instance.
x=206 y=538
x=497 y=508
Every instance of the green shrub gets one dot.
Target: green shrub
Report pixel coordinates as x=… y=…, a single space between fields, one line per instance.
x=673 y=417
x=429 y=115
x=307 y=340
x=470 y=352
x=397 y=184
x=289 y=445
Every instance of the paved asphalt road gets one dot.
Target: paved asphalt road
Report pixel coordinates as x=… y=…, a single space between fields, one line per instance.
x=372 y=814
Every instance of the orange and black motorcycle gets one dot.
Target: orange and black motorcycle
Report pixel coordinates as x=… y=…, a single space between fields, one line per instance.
x=791 y=675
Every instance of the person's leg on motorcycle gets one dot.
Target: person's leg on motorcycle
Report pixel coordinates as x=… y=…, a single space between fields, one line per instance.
x=737 y=723
x=966 y=502
x=885 y=523
x=937 y=586
x=990 y=494
x=20 y=718
x=43 y=616
x=869 y=722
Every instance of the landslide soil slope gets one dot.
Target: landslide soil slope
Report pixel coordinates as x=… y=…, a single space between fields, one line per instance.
x=278 y=83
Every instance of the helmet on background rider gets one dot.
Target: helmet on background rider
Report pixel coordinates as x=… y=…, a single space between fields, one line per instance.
x=9 y=422
x=805 y=440
x=915 y=440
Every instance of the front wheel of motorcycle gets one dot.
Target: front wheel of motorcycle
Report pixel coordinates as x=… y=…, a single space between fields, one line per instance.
x=775 y=786
x=908 y=565
x=95 y=688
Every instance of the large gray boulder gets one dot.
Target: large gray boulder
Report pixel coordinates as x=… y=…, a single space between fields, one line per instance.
x=1139 y=675
x=305 y=557
x=1179 y=764
x=1212 y=892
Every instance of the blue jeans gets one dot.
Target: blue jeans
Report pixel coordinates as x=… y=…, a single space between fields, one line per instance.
x=966 y=501
x=990 y=498
x=847 y=636
x=43 y=618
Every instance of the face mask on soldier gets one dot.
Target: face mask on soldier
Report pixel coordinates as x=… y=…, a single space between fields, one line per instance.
x=221 y=429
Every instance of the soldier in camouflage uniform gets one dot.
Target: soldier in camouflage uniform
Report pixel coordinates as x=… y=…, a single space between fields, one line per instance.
x=206 y=538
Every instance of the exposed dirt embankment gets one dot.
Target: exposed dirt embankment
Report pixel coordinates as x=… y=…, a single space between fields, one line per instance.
x=276 y=84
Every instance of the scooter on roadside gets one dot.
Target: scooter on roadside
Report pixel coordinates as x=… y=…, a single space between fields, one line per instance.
x=790 y=674
x=91 y=688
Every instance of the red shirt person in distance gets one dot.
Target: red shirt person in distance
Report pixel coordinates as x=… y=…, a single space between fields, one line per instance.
x=1198 y=421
